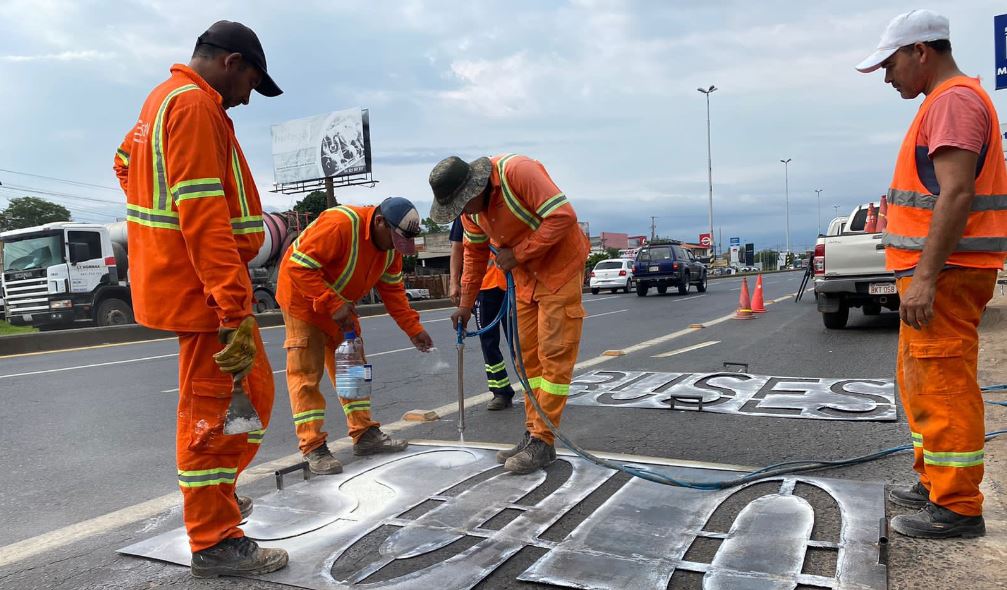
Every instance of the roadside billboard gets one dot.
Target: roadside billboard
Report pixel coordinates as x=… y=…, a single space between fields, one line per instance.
x=331 y=145
x=1000 y=50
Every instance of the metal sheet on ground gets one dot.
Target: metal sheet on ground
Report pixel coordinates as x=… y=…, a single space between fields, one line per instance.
x=739 y=393
x=447 y=517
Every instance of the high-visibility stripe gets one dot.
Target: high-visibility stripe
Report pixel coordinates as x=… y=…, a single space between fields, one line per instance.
x=551 y=205
x=476 y=238
x=351 y=264
x=240 y=181
x=392 y=279
x=255 y=436
x=160 y=193
x=197 y=188
x=207 y=477
x=554 y=388
x=309 y=416
x=977 y=244
x=927 y=201
x=302 y=258
x=123 y=156
x=497 y=367
x=498 y=383
x=512 y=202
x=917 y=439
x=251 y=224
x=953 y=459
x=152 y=218
x=357 y=406
x=549 y=387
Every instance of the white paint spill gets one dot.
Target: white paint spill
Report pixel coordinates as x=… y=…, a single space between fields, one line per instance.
x=241 y=425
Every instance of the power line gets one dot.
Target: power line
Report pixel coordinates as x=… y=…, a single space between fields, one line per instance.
x=28 y=189
x=73 y=182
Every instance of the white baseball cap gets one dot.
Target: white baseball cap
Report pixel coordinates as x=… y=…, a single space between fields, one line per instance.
x=917 y=26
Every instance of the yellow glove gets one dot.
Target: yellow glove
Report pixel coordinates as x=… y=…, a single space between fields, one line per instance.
x=238 y=355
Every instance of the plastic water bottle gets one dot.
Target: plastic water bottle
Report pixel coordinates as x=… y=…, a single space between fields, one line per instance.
x=353 y=376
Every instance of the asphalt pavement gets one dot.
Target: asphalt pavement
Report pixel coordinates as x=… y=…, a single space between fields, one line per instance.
x=88 y=435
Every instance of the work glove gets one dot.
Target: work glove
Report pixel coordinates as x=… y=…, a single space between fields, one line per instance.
x=239 y=351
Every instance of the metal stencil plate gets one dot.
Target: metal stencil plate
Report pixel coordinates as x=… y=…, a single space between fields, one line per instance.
x=448 y=517
x=739 y=393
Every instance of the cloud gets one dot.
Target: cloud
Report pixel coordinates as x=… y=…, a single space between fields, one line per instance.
x=63 y=56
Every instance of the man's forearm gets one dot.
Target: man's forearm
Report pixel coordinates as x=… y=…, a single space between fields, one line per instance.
x=946 y=228
x=457 y=259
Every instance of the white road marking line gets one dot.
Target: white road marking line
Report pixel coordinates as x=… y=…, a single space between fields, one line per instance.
x=599 y=299
x=146 y=358
x=598 y=315
x=686 y=349
x=278 y=371
x=73 y=533
x=689 y=298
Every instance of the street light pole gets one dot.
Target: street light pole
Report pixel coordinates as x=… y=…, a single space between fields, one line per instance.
x=786 y=180
x=709 y=155
x=819 y=191
x=836 y=207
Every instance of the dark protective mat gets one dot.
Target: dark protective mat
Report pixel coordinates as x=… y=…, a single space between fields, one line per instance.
x=447 y=517
x=739 y=393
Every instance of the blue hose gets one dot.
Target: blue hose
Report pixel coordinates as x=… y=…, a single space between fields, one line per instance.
x=508 y=314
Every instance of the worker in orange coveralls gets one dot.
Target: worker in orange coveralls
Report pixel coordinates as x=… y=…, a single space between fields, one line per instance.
x=511 y=201
x=341 y=256
x=194 y=222
x=946 y=239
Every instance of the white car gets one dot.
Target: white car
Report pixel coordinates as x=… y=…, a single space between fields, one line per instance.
x=614 y=274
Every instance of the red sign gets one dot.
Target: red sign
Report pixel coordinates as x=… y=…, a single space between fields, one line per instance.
x=706 y=240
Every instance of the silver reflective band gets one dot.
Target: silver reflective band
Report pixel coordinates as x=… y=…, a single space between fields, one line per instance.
x=983 y=244
x=926 y=201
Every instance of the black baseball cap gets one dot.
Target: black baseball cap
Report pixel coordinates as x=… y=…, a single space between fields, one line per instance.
x=238 y=38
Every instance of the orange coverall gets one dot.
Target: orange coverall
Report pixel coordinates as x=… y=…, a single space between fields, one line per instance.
x=195 y=220
x=332 y=263
x=937 y=365
x=530 y=215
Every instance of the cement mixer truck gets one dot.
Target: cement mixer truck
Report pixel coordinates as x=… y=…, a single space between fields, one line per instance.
x=58 y=274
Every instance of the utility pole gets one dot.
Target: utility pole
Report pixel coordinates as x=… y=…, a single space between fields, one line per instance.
x=709 y=154
x=330 y=193
x=786 y=179
x=836 y=207
x=653 y=228
x=819 y=192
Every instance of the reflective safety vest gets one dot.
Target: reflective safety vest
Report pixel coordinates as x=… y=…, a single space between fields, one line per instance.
x=911 y=204
x=334 y=261
x=192 y=209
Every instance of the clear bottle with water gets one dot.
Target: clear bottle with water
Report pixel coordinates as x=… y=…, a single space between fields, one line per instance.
x=353 y=375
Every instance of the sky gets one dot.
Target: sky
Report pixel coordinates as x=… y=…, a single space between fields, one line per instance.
x=602 y=92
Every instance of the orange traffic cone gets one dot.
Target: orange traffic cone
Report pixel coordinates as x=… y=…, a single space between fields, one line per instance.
x=883 y=214
x=758 y=305
x=871 y=225
x=744 y=303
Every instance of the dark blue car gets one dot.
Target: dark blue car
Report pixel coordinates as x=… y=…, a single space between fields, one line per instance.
x=667 y=264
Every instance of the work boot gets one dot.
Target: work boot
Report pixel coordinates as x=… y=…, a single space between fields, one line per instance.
x=536 y=454
x=373 y=442
x=500 y=402
x=237 y=557
x=502 y=456
x=244 y=505
x=915 y=497
x=321 y=462
x=937 y=522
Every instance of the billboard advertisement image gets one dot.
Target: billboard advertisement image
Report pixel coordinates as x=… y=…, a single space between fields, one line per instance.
x=330 y=145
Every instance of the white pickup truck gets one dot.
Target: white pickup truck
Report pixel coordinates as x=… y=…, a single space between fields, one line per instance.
x=850 y=271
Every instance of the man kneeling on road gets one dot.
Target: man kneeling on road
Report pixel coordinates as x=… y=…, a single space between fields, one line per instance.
x=946 y=238
x=511 y=200
x=345 y=253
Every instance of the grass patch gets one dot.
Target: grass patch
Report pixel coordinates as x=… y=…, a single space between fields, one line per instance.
x=7 y=329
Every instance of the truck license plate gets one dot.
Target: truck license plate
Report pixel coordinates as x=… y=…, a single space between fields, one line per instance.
x=654 y=269
x=26 y=317
x=881 y=289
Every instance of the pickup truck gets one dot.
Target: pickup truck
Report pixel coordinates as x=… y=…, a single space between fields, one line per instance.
x=850 y=271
